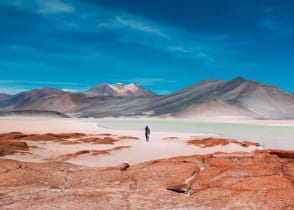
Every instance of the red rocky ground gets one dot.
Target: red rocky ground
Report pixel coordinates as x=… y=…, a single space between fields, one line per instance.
x=258 y=180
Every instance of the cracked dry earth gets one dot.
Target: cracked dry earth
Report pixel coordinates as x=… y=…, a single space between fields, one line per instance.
x=258 y=180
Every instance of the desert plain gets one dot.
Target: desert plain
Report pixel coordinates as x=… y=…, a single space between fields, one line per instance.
x=55 y=163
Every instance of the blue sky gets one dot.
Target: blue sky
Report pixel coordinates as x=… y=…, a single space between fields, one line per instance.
x=162 y=45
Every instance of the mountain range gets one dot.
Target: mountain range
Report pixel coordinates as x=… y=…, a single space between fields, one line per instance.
x=211 y=99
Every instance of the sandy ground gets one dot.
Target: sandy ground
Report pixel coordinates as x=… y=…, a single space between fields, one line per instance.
x=139 y=150
x=36 y=170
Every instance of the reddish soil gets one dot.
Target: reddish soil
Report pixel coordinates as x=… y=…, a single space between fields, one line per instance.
x=211 y=142
x=10 y=143
x=8 y=147
x=69 y=135
x=128 y=138
x=171 y=138
x=121 y=147
x=16 y=141
x=71 y=156
x=100 y=152
x=91 y=152
x=260 y=180
x=95 y=140
x=105 y=134
x=39 y=137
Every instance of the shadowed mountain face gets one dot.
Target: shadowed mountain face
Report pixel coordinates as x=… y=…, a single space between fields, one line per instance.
x=182 y=99
x=266 y=101
x=238 y=98
x=4 y=96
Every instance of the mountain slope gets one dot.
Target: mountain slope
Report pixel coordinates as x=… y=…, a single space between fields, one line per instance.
x=266 y=101
x=27 y=97
x=118 y=89
x=4 y=96
x=216 y=109
x=263 y=100
x=60 y=103
x=184 y=98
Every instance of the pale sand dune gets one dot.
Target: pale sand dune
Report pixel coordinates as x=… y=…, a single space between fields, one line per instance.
x=138 y=151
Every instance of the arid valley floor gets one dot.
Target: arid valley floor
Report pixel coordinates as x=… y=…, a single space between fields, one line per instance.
x=73 y=164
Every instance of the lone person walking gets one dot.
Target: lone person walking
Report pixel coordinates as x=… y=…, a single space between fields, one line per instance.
x=147 y=133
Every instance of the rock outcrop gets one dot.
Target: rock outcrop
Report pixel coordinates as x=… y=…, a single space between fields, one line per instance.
x=259 y=180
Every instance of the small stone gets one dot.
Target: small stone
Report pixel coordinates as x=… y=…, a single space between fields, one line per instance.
x=124 y=166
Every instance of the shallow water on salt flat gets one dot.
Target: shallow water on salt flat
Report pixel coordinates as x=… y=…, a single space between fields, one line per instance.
x=269 y=136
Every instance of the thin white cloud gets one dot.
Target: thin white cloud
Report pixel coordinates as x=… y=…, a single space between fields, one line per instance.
x=12 y=91
x=277 y=22
x=41 y=6
x=25 y=82
x=140 y=26
x=16 y=3
x=17 y=86
x=267 y=21
x=196 y=53
x=268 y=24
x=71 y=90
x=277 y=27
x=179 y=49
x=207 y=59
x=88 y=17
x=54 y=6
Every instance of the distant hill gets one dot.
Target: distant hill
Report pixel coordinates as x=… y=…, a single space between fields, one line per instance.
x=4 y=96
x=237 y=98
x=27 y=97
x=32 y=113
x=60 y=103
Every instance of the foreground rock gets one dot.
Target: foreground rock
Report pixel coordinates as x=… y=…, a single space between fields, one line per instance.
x=260 y=180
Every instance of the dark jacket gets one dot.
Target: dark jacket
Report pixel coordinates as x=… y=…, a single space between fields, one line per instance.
x=147 y=131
